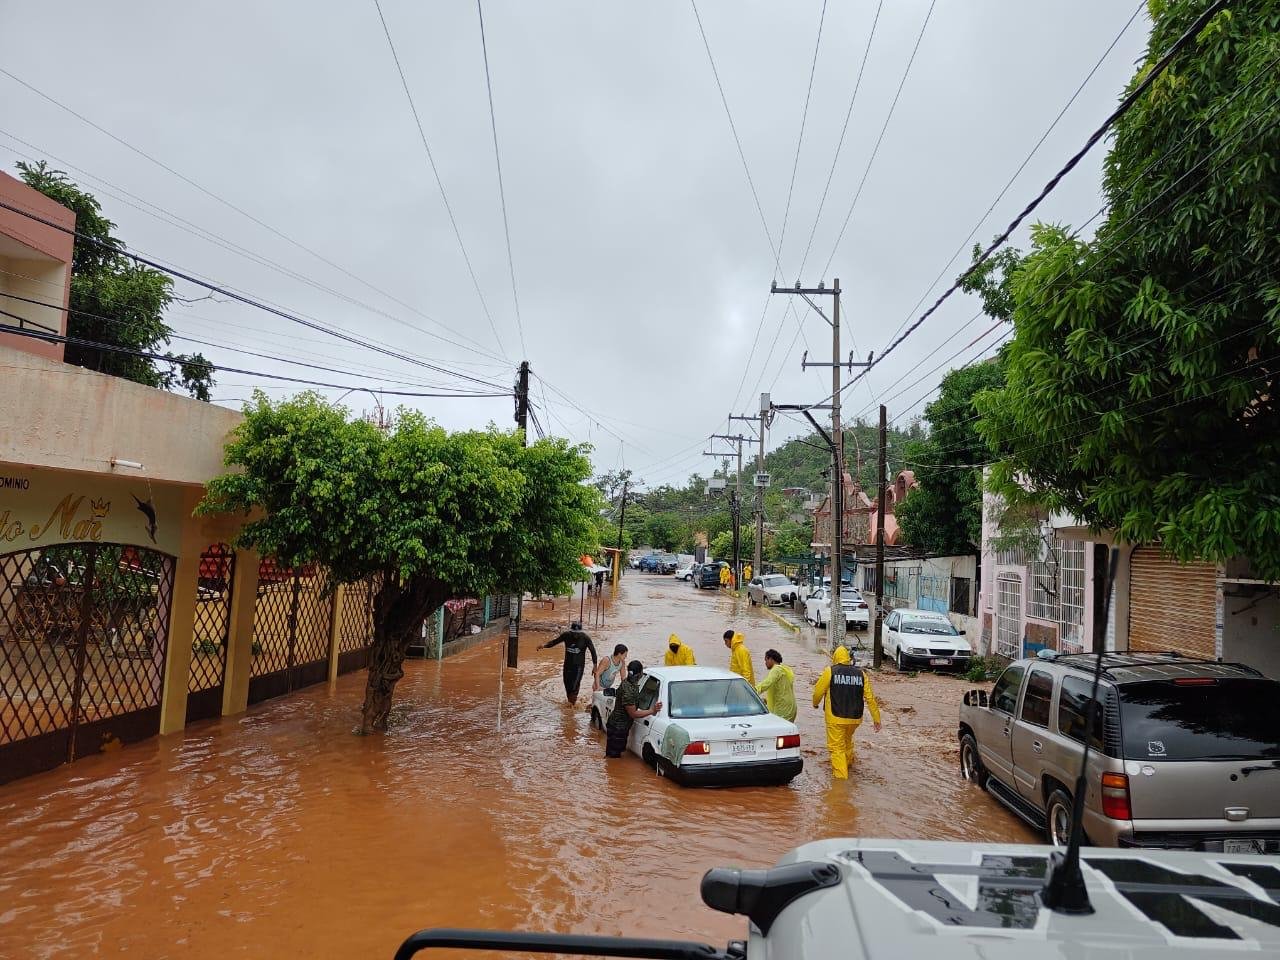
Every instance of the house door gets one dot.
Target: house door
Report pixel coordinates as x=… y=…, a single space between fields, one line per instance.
x=209 y=632
x=83 y=637
x=1172 y=606
x=1009 y=617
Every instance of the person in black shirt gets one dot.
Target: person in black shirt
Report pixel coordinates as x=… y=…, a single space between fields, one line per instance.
x=576 y=647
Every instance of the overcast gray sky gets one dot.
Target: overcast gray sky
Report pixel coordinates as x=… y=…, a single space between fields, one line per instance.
x=640 y=261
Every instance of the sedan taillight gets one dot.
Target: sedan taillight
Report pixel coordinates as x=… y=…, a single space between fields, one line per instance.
x=698 y=748
x=789 y=742
x=1115 y=796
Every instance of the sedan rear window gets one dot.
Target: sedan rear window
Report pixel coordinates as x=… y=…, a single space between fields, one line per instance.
x=1194 y=719
x=697 y=699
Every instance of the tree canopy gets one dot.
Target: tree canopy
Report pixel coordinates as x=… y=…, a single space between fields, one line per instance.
x=1139 y=392
x=428 y=514
x=116 y=301
x=944 y=515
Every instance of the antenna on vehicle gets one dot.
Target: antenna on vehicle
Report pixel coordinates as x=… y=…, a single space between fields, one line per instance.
x=1064 y=890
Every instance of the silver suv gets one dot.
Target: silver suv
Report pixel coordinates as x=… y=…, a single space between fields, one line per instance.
x=1185 y=753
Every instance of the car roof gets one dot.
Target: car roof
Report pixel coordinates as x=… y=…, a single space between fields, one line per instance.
x=1136 y=667
x=690 y=673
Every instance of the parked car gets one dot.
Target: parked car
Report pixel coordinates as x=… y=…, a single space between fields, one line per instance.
x=708 y=576
x=772 y=589
x=648 y=564
x=668 y=563
x=817 y=608
x=713 y=729
x=686 y=572
x=923 y=638
x=1185 y=753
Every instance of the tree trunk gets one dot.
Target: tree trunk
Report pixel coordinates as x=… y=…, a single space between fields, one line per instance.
x=399 y=610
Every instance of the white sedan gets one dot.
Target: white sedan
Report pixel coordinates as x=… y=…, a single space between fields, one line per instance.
x=685 y=572
x=713 y=729
x=817 y=608
x=920 y=638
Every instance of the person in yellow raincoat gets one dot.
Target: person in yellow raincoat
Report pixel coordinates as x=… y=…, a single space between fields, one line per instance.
x=778 y=687
x=678 y=653
x=746 y=573
x=724 y=577
x=846 y=690
x=739 y=657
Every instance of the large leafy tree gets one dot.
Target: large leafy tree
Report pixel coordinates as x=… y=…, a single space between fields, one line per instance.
x=1140 y=392
x=430 y=515
x=944 y=515
x=116 y=301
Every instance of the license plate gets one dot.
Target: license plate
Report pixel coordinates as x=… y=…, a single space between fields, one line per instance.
x=939 y=662
x=1244 y=846
x=738 y=749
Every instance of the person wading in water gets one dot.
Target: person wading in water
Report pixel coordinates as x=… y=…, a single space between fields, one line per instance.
x=576 y=647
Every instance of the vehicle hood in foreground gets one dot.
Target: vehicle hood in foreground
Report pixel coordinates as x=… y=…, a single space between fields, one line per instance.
x=948 y=901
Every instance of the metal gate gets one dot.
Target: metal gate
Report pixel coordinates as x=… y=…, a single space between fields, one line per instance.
x=209 y=632
x=1009 y=617
x=83 y=636
x=355 y=630
x=1172 y=606
x=292 y=621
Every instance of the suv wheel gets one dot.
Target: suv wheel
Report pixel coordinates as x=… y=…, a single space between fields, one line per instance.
x=971 y=762
x=1057 y=820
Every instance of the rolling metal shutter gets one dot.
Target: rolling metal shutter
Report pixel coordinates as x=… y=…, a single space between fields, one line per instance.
x=1171 y=605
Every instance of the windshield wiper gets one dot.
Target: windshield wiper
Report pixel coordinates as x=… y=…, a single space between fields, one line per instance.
x=1258 y=768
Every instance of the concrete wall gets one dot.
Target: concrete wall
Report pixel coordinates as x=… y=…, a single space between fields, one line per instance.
x=68 y=418
x=35 y=262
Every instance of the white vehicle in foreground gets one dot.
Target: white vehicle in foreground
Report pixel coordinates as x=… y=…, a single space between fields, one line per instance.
x=922 y=638
x=713 y=729
x=685 y=572
x=817 y=608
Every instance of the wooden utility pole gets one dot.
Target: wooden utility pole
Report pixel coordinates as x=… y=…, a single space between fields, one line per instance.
x=735 y=499
x=877 y=649
x=761 y=420
x=522 y=421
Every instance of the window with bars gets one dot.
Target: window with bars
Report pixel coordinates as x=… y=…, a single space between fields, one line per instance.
x=1014 y=557
x=1042 y=589
x=1071 y=596
x=1008 y=621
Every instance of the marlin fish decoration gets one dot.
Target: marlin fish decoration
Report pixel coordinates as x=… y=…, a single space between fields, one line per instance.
x=149 y=511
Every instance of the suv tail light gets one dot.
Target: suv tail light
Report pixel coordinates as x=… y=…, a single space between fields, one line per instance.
x=1115 y=796
x=790 y=742
x=697 y=748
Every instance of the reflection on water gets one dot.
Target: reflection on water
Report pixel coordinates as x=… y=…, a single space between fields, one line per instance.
x=279 y=832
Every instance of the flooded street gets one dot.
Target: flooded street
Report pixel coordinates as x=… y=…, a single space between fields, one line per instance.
x=278 y=832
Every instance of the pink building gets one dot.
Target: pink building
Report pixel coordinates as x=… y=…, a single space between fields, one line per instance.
x=35 y=265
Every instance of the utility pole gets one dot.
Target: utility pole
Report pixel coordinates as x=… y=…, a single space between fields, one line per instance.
x=622 y=516
x=761 y=420
x=835 y=441
x=522 y=421
x=877 y=649
x=735 y=499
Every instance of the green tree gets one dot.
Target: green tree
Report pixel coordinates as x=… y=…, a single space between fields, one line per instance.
x=116 y=301
x=428 y=514
x=944 y=515
x=1140 y=393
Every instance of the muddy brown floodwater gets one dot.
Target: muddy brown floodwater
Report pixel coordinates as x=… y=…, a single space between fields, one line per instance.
x=280 y=833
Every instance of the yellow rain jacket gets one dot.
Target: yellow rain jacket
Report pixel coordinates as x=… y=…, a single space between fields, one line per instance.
x=740 y=659
x=778 y=687
x=682 y=657
x=840 y=729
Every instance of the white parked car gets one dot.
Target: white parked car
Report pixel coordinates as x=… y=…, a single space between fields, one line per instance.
x=772 y=590
x=685 y=572
x=923 y=638
x=713 y=729
x=817 y=608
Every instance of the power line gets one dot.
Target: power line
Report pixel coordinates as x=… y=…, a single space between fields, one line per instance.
x=1026 y=160
x=221 y=200
x=157 y=212
x=804 y=116
x=502 y=195
x=162 y=358
x=883 y=129
x=249 y=301
x=422 y=134
x=1139 y=89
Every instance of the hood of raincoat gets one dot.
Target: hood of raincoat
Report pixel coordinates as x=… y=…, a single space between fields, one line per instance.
x=841 y=655
x=737 y=641
x=674 y=641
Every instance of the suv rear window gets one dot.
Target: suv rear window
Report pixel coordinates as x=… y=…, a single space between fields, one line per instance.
x=1073 y=707
x=1223 y=719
